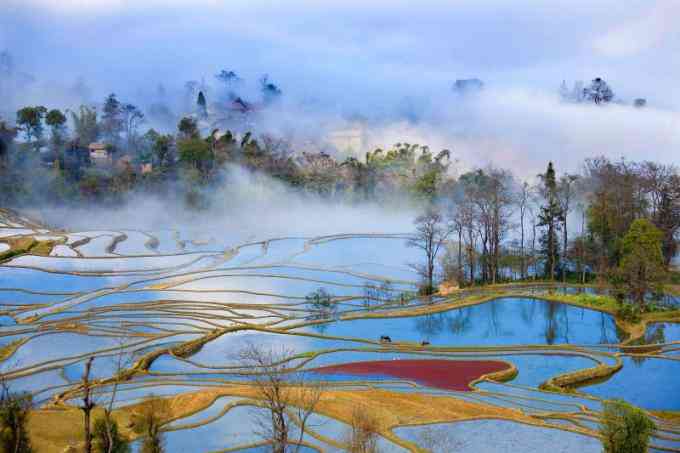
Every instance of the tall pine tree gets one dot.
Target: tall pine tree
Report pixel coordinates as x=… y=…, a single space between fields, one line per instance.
x=202 y=106
x=550 y=217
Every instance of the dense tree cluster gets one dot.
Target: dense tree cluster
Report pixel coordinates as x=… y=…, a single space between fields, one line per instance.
x=497 y=228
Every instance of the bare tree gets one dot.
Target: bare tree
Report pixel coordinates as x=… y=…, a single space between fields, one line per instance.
x=88 y=404
x=432 y=231
x=566 y=192
x=121 y=361
x=284 y=392
x=363 y=432
x=523 y=202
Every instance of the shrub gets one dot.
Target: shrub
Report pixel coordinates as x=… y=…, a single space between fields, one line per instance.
x=625 y=428
x=629 y=312
x=14 y=410
x=104 y=438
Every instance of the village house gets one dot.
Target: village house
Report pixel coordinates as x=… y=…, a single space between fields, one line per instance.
x=100 y=154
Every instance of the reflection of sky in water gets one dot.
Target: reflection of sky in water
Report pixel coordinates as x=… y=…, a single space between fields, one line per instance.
x=474 y=437
x=662 y=332
x=502 y=322
x=650 y=383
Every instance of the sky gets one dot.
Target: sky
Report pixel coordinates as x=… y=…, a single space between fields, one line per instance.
x=391 y=61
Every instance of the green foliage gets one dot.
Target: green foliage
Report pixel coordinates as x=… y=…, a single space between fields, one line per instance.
x=14 y=412
x=112 y=119
x=55 y=118
x=85 y=125
x=196 y=153
x=188 y=128
x=107 y=435
x=629 y=312
x=625 y=428
x=30 y=120
x=641 y=269
x=550 y=217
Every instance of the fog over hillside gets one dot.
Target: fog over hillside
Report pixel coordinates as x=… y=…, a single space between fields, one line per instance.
x=387 y=63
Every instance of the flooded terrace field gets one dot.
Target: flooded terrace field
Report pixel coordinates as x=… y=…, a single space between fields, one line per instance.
x=180 y=309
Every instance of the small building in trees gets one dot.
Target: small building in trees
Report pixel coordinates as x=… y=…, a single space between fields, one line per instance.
x=145 y=167
x=100 y=154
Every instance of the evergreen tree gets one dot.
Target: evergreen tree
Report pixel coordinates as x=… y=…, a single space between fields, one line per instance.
x=112 y=119
x=202 y=105
x=550 y=217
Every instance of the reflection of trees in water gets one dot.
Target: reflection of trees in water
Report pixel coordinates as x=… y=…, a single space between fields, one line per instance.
x=656 y=333
x=494 y=310
x=610 y=333
x=528 y=311
x=431 y=325
x=320 y=328
x=556 y=322
x=460 y=321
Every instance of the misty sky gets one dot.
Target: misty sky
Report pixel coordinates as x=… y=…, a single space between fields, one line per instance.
x=386 y=59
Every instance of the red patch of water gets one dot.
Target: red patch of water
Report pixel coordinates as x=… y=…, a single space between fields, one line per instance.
x=441 y=374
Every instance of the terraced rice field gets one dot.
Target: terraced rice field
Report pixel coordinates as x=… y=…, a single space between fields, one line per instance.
x=172 y=313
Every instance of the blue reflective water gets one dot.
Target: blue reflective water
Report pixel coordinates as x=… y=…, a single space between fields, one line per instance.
x=499 y=322
x=496 y=436
x=646 y=382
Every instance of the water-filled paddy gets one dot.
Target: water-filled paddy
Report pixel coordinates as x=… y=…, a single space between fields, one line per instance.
x=647 y=382
x=498 y=322
x=134 y=293
x=475 y=436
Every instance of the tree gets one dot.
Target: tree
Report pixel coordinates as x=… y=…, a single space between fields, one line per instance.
x=112 y=119
x=188 y=128
x=523 y=200
x=282 y=391
x=107 y=438
x=202 y=105
x=270 y=92
x=625 y=428
x=131 y=118
x=598 y=91
x=363 y=432
x=642 y=265
x=161 y=147
x=550 y=218
x=148 y=420
x=30 y=120
x=88 y=405
x=14 y=413
x=431 y=234
x=57 y=120
x=566 y=193
x=7 y=136
x=85 y=125
x=229 y=79
x=196 y=153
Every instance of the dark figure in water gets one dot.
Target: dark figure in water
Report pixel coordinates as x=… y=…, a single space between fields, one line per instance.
x=385 y=339
x=424 y=343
